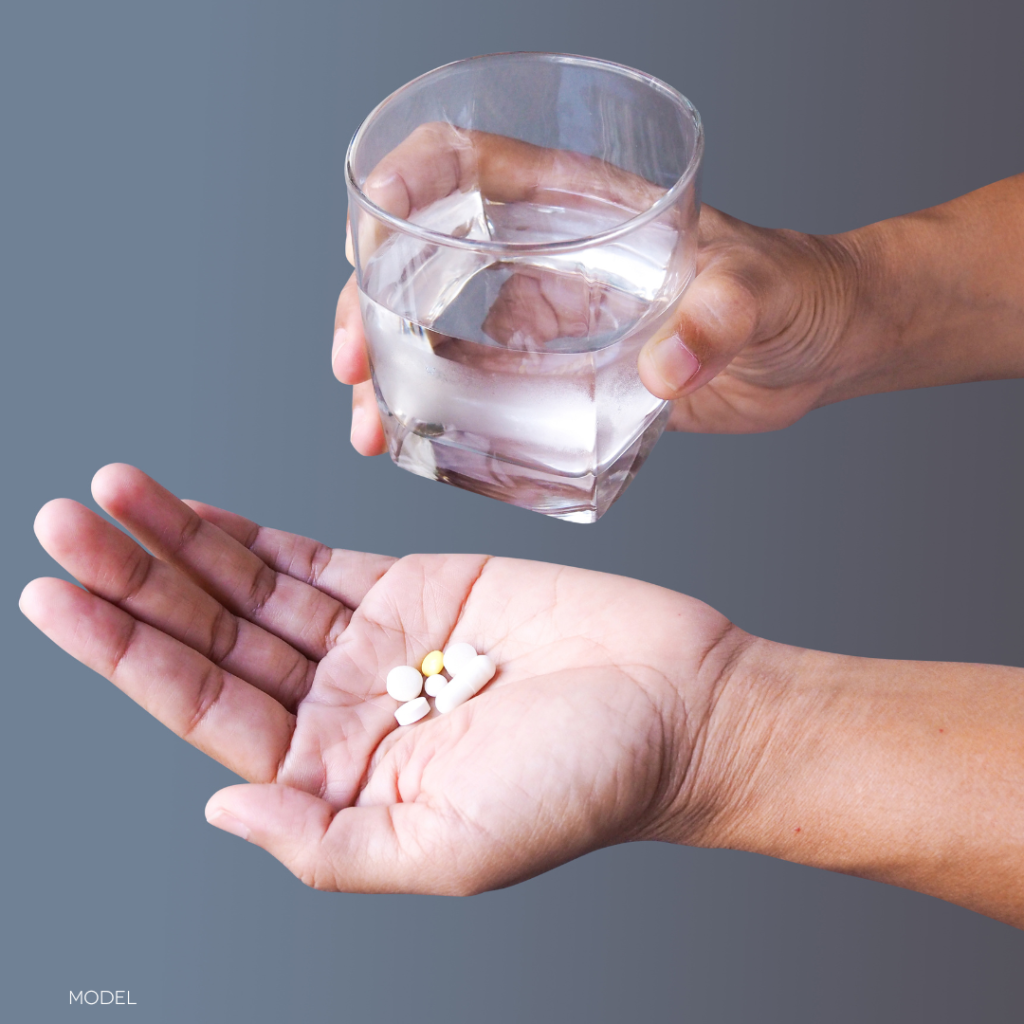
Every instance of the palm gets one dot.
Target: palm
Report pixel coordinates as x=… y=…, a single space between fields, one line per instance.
x=270 y=652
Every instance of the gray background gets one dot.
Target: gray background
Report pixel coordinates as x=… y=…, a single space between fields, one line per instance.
x=171 y=234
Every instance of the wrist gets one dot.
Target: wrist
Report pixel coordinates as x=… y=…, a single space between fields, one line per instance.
x=740 y=692
x=738 y=768
x=777 y=743
x=809 y=751
x=882 y=347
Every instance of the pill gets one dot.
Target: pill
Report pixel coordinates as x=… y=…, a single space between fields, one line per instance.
x=412 y=711
x=465 y=684
x=404 y=682
x=432 y=663
x=434 y=685
x=457 y=657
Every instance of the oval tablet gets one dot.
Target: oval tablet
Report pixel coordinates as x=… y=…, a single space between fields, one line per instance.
x=432 y=663
x=404 y=682
x=413 y=711
x=457 y=656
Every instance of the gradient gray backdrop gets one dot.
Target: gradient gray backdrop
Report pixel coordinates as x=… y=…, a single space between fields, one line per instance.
x=171 y=231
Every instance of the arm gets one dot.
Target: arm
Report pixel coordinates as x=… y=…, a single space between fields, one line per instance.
x=777 y=323
x=621 y=711
x=909 y=773
x=940 y=294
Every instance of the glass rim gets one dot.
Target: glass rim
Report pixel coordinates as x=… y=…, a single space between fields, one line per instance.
x=489 y=246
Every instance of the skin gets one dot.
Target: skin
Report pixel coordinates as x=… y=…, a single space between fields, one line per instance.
x=270 y=653
x=776 y=322
x=621 y=711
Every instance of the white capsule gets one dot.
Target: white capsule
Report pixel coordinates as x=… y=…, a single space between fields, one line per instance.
x=412 y=711
x=457 y=657
x=452 y=695
x=404 y=682
x=434 y=685
x=467 y=683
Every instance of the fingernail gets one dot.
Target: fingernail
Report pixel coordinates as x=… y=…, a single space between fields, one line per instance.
x=674 y=362
x=222 y=820
x=377 y=188
x=339 y=339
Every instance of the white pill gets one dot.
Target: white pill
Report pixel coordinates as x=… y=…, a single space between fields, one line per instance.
x=404 y=682
x=457 y=657
x=465 y=684
x=434 y=685
x=412 y=711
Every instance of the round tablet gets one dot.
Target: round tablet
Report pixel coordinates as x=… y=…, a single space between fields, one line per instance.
x=434 y=685
x=413 y=711
x=404 y=682
x=458 y=656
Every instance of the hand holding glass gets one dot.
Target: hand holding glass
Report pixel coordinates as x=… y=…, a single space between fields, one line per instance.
x=521 y=225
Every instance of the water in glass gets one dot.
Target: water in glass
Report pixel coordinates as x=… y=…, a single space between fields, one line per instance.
x=516 y=377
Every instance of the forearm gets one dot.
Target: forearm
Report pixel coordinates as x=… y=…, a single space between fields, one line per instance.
x=939 y=295
x=909 y=773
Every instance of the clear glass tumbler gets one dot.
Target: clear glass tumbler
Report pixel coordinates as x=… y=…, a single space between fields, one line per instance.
x=522 y=223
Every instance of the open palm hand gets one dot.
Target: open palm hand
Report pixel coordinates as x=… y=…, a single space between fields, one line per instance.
x=269 y=652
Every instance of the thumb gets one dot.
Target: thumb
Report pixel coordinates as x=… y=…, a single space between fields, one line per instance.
x=716 y=320
x=356 y=849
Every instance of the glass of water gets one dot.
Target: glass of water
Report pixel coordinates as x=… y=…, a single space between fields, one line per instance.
x=522 y=223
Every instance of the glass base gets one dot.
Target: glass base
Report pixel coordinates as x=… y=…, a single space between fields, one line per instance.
x=576 y=499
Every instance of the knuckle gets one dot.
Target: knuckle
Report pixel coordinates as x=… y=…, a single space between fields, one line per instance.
x=223 y=638
x=189 y=530
x=137 y=570
x=725 y=309
x=123 y=648
x=262 y=589
x=209 y=693
x=313 y=877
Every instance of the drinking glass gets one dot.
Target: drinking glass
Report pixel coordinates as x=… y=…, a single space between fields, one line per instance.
x=521 y=224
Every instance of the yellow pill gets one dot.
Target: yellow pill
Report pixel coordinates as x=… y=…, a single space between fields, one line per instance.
x=432 y=663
